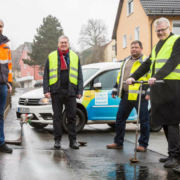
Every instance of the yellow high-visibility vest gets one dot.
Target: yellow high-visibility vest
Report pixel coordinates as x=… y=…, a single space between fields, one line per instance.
x=163 y=55
x=53 y=67
x=133 y=89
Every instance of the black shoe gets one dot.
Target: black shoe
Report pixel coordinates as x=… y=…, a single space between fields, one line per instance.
x=4 y=148
x=171 y=162
x=177 y=170
x=73 y=145
x=57 y=144
x=163 y=160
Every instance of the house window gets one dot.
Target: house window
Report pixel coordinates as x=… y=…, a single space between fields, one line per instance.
x=113 y=47
x=124 y=40
x=129 y=7
x=28 y=73
x=176 y=27
x=137 y=33
x=41 y=73
x=24 y=66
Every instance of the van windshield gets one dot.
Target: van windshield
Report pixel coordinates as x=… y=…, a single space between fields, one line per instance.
x=87 y=73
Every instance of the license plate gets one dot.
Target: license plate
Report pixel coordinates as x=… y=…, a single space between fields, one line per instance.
x=23 y=110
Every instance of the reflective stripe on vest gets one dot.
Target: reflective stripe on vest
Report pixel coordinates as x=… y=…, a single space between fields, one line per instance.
x=53 y=67
x=162 y=57
x=134 y=89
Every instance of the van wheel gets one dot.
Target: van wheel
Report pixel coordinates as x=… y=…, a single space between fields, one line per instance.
x=153 y=128
x=38 y=126
x=80 y=121
x=111 y=125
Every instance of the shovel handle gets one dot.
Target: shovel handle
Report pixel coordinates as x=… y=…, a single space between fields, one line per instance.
x=144 y=82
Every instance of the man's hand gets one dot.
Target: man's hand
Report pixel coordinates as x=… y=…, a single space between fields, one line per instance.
x=147 y=97
x=47 y=95
x=151 y=81
x=130 y=80
x=79 y=96
x=10 y=88
x=113 y=96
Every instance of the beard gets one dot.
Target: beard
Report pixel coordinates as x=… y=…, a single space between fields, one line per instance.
x=0 y=32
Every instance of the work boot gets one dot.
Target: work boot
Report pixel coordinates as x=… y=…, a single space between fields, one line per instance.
x=5 y=149
x=57 y=144
x=171 y=162
x=141 y=149
x=165 y=159
x=114 y=146
x=73 y=145
x=177 y=170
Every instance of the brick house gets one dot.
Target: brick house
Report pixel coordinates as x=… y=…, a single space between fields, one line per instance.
x=29 y=74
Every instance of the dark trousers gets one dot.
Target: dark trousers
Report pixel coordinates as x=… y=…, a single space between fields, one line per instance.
x=70 y=106
x=3 y=95
x=123 y=113
x=173 y=139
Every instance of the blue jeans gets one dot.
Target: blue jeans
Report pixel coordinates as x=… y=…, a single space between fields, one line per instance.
x=3 y=95
x=123 y=113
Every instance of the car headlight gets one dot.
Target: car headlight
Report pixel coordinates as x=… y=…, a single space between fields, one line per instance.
x=45 y=101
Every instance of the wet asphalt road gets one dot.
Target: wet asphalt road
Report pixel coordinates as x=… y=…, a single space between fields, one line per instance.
x=37 y=159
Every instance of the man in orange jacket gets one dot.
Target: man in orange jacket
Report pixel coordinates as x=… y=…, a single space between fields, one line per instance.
x=5 y=83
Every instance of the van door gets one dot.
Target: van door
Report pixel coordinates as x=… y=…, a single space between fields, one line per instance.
x=103 y=106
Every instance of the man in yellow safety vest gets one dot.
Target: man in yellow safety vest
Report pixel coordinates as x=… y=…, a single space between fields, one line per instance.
x=164 y=64
x=63 y=83
x=129 y=99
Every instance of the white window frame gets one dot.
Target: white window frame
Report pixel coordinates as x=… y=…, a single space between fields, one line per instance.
x=175 y=22
x=28 y=73
x=130 y=2
x=135 y=31
x=124 y=42
x=24 y=66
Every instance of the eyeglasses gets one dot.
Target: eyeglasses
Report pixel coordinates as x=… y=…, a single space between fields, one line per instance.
x=163 y=30
x=63 y=42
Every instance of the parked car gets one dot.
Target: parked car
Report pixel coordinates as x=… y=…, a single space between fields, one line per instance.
x=38 y=84
x=95 y=107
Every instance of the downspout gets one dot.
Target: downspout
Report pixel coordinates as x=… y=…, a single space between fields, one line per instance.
x=152 y=32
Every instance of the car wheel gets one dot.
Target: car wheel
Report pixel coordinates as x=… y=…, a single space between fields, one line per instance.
x=80 y=121
x=153 y=128
x=112 y=125
x=38 y=126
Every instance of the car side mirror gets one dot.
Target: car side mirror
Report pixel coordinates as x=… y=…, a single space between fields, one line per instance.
x=97 y=86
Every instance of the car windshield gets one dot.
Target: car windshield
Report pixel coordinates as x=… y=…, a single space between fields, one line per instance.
x=87 y=73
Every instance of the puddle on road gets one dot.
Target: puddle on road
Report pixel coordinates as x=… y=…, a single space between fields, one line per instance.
x=131 y=172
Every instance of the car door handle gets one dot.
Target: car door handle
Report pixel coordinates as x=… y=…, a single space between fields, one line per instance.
x=88 y=96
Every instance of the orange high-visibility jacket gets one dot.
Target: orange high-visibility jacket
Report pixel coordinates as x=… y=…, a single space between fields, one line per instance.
x=5 y=63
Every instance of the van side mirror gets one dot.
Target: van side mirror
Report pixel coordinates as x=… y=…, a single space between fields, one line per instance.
x=97 y=86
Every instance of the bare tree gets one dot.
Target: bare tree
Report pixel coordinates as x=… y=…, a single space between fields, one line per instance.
x=93 y=34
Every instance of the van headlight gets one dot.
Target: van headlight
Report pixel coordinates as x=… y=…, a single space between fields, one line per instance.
x=45 y=101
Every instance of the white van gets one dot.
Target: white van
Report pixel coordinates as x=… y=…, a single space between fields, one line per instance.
x=95 y=107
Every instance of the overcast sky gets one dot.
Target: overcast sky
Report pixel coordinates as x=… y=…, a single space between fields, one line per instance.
x=23 y=17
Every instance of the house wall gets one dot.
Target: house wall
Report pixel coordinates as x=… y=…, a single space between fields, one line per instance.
x=25 y=69
x=127 y=25
x=28 y=70
x=110 y=52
